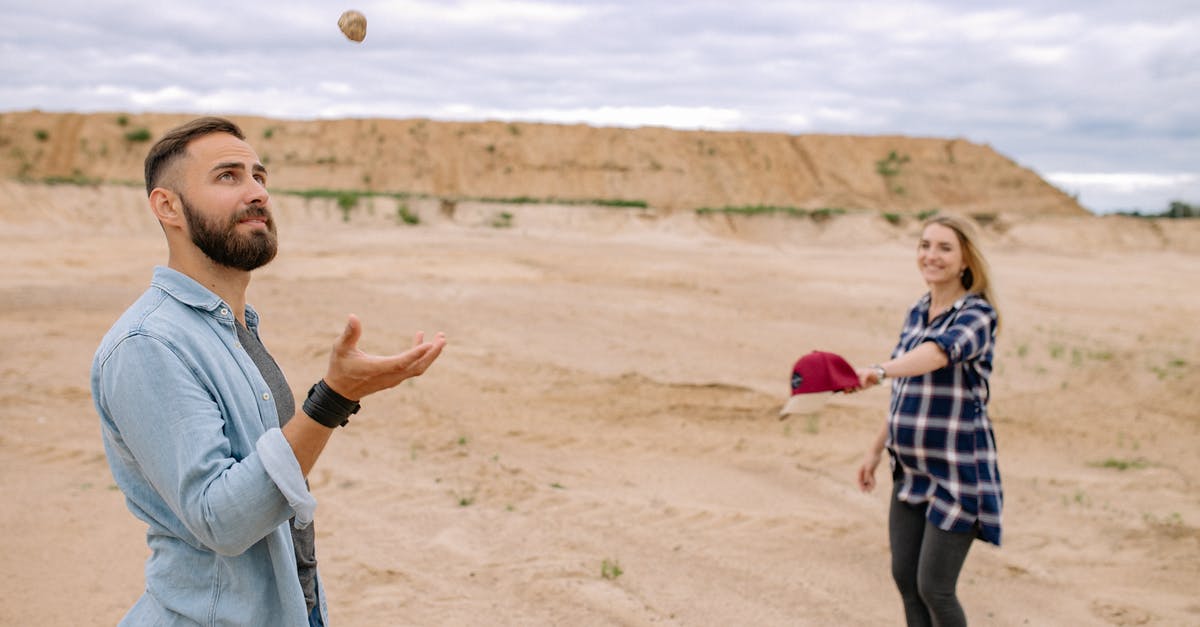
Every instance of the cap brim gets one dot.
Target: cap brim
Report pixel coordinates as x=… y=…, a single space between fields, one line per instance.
x=805 y=404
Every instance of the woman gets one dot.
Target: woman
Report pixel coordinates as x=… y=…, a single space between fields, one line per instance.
x=946 y=488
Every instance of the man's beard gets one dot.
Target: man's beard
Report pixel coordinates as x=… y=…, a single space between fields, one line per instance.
x=222 y=243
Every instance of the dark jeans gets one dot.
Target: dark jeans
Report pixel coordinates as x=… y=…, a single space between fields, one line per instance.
x=925 y=564
x=314 y=617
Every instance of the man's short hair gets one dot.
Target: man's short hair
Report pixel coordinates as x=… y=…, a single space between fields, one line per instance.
x=174 y=144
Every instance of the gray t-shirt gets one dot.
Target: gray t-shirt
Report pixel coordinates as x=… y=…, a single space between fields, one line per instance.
x=285 y=405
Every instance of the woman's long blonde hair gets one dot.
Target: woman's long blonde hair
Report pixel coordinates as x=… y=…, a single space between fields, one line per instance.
x=977 y=277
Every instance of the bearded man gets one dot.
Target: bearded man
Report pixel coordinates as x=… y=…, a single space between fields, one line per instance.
x=200 y=427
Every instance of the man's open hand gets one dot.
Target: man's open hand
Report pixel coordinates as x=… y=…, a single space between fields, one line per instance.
x=355 y=374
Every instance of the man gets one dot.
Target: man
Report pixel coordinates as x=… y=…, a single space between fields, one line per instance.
x=199 y=424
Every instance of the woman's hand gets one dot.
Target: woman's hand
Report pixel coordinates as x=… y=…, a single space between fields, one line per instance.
x=867 y=377
x=866 y=472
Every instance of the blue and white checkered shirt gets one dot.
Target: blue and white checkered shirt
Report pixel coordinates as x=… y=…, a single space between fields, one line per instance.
x=938 y=428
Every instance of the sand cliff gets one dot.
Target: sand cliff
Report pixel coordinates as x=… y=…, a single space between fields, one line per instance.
x=666 y=169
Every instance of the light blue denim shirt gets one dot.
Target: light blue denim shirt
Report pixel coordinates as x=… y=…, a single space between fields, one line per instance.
x=192 y=437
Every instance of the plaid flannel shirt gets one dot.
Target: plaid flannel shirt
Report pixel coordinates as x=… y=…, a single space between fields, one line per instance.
x=939 y=433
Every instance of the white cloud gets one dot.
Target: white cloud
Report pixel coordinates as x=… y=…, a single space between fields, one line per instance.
x=1123 y=182
x=1075 y=87
x=669 y=116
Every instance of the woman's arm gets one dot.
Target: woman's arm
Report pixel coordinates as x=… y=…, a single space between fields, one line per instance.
x=921 y=360
x=866 y=471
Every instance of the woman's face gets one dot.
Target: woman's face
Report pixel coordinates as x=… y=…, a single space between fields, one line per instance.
x=939 y=255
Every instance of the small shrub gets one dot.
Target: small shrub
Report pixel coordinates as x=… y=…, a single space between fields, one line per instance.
x=406 y=216
x=122 y=120
x=268 y=132
x=503 y=220
x=889 y=166
x=750 y=210
x=825 y=213
x=611 y=569
x=1122 y=464
x=41 y=134
x=138 y=135
x=892 y=218
x=928 y=213
x=347 y=201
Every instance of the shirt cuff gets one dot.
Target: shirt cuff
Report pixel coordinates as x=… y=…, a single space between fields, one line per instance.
x=284 y=470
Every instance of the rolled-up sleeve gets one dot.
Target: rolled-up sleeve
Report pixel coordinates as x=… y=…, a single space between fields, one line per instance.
x=280 y=463
x=970 y=335
x=171 y=425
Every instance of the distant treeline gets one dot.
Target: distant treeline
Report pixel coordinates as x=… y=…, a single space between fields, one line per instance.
x=1177 y=209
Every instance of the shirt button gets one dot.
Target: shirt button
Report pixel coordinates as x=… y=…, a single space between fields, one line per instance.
x=266 y=397
x=224 y=311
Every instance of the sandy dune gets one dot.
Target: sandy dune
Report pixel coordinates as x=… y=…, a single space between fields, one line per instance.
x=610 y=395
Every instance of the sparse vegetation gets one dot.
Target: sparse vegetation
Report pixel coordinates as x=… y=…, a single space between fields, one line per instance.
x=347 y=201
x=817 y=215
x=928 y=213
x=122 y=120
x=77 y=178
x=268 y=132
x=1177 y=209
x=1121 y=464
x=502 y=220
x=889 y=166
x=892 y=218
x=137 y=135
x=41 y=134
x=750 y=210
x=611 y=569
x=1173 y=368
x=406 y=216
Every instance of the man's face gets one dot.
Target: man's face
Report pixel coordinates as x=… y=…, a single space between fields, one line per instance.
x=221 y=241
x=224 y=198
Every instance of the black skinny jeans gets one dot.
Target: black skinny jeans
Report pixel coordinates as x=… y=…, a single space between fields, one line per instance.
x=925 y=564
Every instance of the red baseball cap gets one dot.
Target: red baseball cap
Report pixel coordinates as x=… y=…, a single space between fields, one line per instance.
x=814 y=373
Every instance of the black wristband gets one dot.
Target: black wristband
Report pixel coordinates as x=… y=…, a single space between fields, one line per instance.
x=328 y=407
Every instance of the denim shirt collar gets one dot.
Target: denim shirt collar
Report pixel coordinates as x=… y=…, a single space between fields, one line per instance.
x=188 y=291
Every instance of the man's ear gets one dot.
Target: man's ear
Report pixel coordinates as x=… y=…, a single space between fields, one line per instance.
x=166 y=207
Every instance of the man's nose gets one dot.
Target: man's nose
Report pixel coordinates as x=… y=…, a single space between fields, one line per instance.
x=256 y=193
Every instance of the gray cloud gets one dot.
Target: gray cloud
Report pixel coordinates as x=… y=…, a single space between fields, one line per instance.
x=1077 y=92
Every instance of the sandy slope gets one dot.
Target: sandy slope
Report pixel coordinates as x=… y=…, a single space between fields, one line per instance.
x=610 y=394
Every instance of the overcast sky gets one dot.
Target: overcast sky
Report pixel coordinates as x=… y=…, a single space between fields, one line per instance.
x=1098 y=96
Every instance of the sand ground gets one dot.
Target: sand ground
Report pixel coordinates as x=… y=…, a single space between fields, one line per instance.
x=609 y=395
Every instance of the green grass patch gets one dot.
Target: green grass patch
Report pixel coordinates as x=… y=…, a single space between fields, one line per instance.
x=753 y=210
x=406 y=216
x=533 y=200
x=1121 y=464
x=818 y=215
x=77 y=178
x=502 y=220
x=610 y=569
x=890 y=165
x=138 y=135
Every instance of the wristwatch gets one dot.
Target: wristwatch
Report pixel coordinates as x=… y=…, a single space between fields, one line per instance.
x=879 y=371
